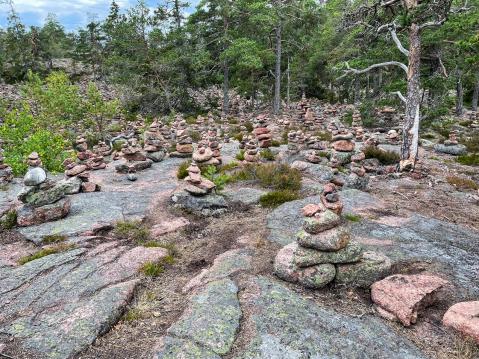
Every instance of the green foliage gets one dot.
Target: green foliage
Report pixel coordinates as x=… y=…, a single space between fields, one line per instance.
x=182 y=172
x=324 y=135
x=45 y=252
x=132 y=230
x=462 y=183
x=275 y=143
x=54 y=238
x=469 y=160
x=352 y=217
x=195 y=136
x=97 y=110
x=384 y=157
x=348 y=118
x=133 y=315
x=276 y=198
x=240 y=155
x=249 y=126
x=9 y=220
x=274 y=176
x=152 y=269
x=219 y=179
x=267 y=154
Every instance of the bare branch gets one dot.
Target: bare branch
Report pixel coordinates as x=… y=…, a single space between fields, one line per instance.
x=398 y=42
x=372 y=67
x=400 y=95
x=432 y=23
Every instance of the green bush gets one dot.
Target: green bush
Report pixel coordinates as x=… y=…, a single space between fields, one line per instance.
x=324 y=135
x=348 y=118
x=219 y=179
x=276 y=198
x=267 y=154
x=238 y=136
x=385 y=157
x=469 y=160
x=249 y=126
x=274 y=176
x=275 y=143
x=195 y=136
x=462 y=183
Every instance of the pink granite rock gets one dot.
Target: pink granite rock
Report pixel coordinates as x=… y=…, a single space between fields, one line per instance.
x=310 y=210
x=169 y=226
x=403 y=296
x=464 y=317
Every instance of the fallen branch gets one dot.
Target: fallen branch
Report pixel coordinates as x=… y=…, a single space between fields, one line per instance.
x=372 y=67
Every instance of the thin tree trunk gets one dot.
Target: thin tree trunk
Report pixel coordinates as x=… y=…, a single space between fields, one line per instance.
x=177 y=14
x=459 y=94
x=409 y=148
x=226 y=88
x=277 y=72
x=357 y=91
x=288 y=87
x=475 y=95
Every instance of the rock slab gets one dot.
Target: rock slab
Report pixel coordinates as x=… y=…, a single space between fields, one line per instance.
x=464 y=317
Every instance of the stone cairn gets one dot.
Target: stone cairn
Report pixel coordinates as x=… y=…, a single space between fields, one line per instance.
x=154 y=143
x=261 y=131
x=196 y=184
x=357 y=178
x=296 y=142
x=43 y=200
x=204 y=155
x=343 y=147
x=251 y=150
x=184 y=143
x=77 y=178
x=323 y=251
x=102 y=149
x=357 y=126
x=214 y=144
x=451 y=146
x=6 y=173
x=316 y=149
x=134 y=159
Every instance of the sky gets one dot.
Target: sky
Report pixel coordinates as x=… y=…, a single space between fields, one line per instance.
x=72 y=14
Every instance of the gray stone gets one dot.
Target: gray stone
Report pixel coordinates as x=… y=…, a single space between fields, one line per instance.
x=175 y=348
x=156 y=156
x=318 y=172
x=212 y=318
x=455 y=150
x=331 y=240
x=135 y=166
x=70 y=185
x=28 y=215
x=209 y=205
x=305 y=257
x=39 y=196
x=35 y=176
x=244 y=195
x=285 y=325
x=356 y=182
x=324 y=221
x=371 y=268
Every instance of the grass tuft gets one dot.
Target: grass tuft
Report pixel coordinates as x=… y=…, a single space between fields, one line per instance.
x=45 y=252
x=385 y=157
x=276 y=198
x=54 y=238
x=132 y=230
x=462 y=183
x=352 y=217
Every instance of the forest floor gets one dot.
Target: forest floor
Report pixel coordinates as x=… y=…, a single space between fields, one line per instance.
x=219 y=298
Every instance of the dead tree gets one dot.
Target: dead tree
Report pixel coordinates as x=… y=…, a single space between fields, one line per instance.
x=383 y=16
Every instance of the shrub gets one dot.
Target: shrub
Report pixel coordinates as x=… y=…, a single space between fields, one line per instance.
x=182 y=172
x=9 y=220
x=462 y=183
x=132 y=230
x=219 y=179
x=273 y=175
x=348 y=118
x=249 y=126
x=152 y=269
x=133 y=315
x=469 y=160
x=275 y=143
x=472 y=143
x=385 y=157
x=276 y=198
x=190 y=120
x=240 y=155
x=267 y=154
x=54 y=238
x=45 y=252
x=238 y=136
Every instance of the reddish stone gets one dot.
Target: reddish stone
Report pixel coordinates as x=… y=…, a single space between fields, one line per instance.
x=343 y=146
x=310 y=210
x=76 y=170
x=260 y=131
x=403 y=296
x=29 y=216
x=329 y=188
x=88 y=187
x=186 y=148
x=464 y=317
x=169 y=226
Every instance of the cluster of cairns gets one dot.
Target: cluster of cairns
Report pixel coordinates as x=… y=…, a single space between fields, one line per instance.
x=261 y=131
x=323 y=251
x=451 y=146
x=154 y=143
x=43 y=199
x=6 y=173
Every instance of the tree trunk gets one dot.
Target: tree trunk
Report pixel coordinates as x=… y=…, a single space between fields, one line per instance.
x=288 y=87
x=459 y=94
x=226 y=87
x=277 y=72
x=475 y=95
x=177 y=14
x=409 y=148
x=357 y=91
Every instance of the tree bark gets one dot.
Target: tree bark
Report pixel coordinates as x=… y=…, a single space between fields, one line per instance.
x=288 y=87
x=277 y=72
x=226 y=87
x=459 y=94
x=475 y=95
x=177 y=14
x=409 y=148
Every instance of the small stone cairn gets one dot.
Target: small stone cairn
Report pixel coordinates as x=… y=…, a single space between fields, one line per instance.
x=261 y=131
x=204 y=155
x=251 y=150
x=184 y=143
x=357 y=178
x=6 y=173
x=134 y=159
x=154 y=143
x=343 y=147
x=102 y=149
x=214 y=144
x=357 y=126
x=43 y=200
x=451 y=146
x=77 y=178
x=197 y=185
x=323 y=250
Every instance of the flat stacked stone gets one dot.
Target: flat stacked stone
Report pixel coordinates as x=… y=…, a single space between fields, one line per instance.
x=6 y=173
x=343 y=147
x=295 y=140
x=197 y=185
x=102 y=149
x=261 y=131
x=154 y=143
x=204 y=155
x=358 y=178
x=357 y=126
x=43 y=200
x=251 y=150
x=323 y=249
x=393 y=137
x=214 y=144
